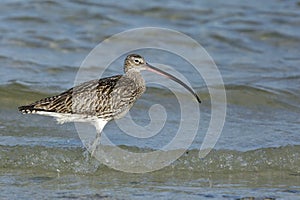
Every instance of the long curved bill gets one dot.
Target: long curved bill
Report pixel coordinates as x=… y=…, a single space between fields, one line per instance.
x=165 y=74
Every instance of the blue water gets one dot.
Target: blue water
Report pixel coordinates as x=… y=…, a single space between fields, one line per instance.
x=256 y=48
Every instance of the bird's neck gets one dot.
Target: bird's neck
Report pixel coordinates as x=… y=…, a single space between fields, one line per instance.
x=136 y=76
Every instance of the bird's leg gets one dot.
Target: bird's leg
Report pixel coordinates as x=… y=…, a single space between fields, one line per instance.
x=99 y=124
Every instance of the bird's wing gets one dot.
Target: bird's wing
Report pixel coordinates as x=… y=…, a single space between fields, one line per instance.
x=117 y=100
x=104 y=98
x=63 y=102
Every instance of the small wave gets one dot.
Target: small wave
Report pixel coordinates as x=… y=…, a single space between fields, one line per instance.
x=33 y=19
x=76 y=160
x=242 y=95
x=251 y=96
x=16 y=94
x=240 y=43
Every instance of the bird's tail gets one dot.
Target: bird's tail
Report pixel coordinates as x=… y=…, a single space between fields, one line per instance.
x=29 y=109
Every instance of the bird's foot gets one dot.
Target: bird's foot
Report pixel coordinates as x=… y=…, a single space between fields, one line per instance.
x=93 y=147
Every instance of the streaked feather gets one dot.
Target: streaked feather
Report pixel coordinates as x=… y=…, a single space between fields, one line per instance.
x=106 y=98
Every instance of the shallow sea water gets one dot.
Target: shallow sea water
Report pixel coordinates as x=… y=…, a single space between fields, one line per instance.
x=256 y=48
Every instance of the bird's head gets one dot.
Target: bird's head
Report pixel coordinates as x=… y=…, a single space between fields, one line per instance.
x=137 y=63
x=134 y=62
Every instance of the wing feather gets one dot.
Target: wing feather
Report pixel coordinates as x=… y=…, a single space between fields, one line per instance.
x=105 y=98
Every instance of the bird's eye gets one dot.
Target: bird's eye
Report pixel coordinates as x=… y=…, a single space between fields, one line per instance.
x=136 y=61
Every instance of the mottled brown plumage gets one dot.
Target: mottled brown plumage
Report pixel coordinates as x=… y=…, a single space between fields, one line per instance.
x=107 y=98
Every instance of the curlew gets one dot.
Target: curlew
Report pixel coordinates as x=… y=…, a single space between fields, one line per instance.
x=100 y=101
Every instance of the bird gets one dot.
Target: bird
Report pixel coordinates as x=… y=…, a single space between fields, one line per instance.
x=102 y=100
